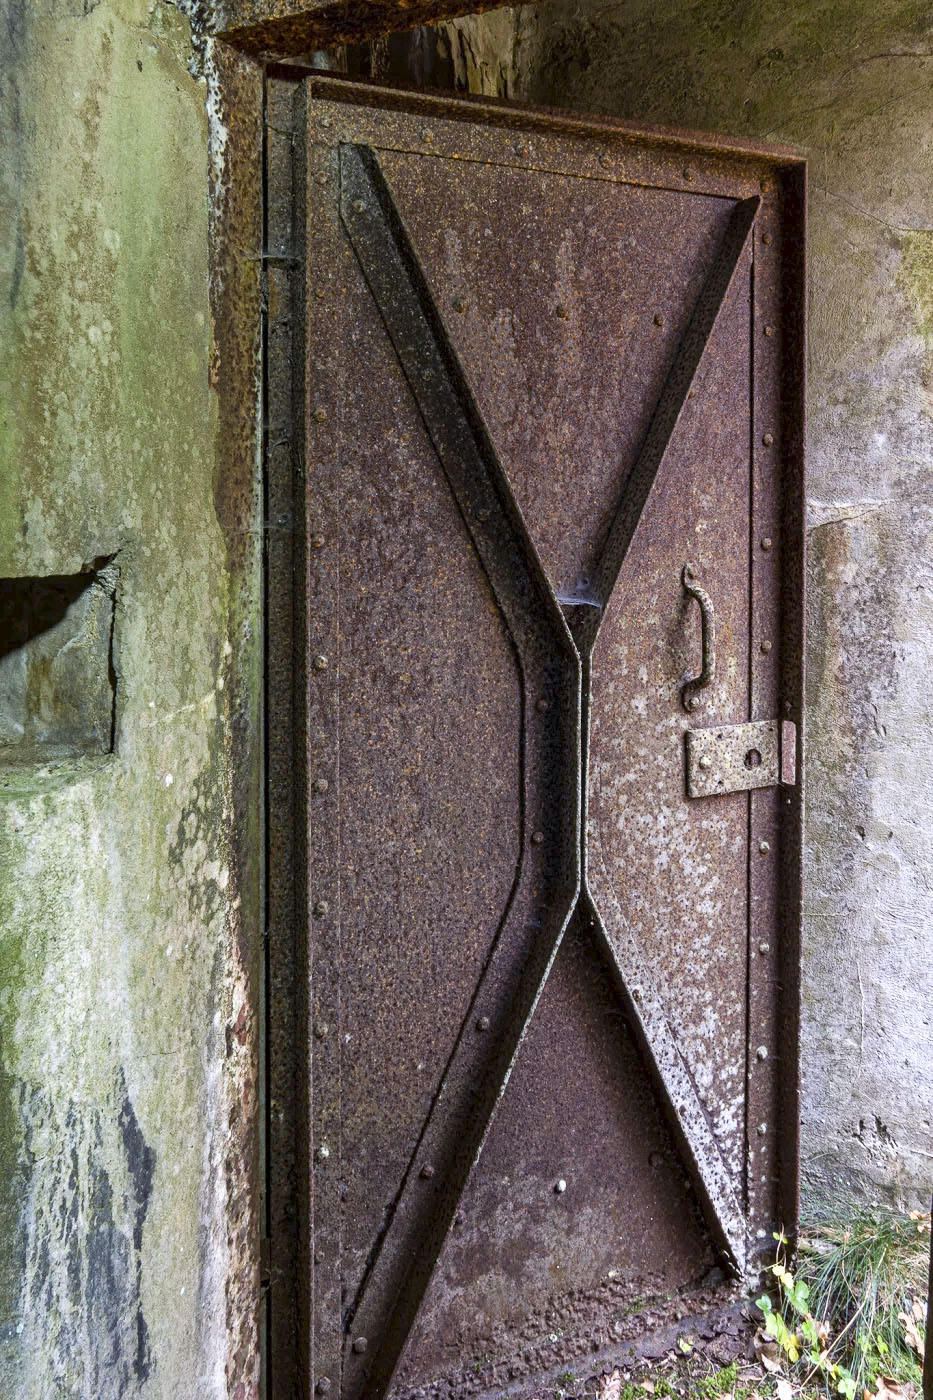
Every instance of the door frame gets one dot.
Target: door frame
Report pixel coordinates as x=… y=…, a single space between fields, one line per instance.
x=256 y=266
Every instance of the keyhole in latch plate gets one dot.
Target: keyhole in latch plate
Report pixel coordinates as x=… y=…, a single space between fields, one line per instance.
x=753 y=759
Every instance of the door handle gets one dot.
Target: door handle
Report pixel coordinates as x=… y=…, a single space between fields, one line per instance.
x=689 y=692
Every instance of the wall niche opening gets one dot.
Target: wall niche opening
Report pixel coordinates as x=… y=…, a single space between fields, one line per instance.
x=58 y=683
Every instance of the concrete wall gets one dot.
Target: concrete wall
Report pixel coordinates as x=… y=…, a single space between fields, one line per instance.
x=850 y=82
x=121 y=912
x=127 y=879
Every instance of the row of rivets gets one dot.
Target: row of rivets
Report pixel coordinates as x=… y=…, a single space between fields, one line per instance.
x=764 y=847
x=562 y=314
x=765 y=646
x=320 y=786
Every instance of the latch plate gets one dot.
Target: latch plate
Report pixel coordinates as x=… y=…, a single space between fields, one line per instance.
x=740 y=757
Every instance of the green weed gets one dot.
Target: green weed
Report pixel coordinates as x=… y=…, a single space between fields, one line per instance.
x=851 y=1313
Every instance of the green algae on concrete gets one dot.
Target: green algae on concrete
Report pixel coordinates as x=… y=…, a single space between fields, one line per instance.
x=915 y=279
x=117 y=890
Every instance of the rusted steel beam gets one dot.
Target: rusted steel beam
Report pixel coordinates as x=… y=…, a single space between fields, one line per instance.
x=283 y=28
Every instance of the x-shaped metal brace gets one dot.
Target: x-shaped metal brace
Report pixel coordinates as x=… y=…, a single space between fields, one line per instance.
x=557 y=650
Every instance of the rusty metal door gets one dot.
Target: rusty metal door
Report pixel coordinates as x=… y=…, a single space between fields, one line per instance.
x=553 y=611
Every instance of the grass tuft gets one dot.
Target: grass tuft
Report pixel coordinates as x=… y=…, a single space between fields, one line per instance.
x=865 y=1270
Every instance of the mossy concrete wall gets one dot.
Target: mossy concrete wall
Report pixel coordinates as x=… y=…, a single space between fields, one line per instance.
x=122 y=980
x=850 y=83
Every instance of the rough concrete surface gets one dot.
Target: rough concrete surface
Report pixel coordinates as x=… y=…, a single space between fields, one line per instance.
x=124 y=996
x=850 y=83
x=119 y=904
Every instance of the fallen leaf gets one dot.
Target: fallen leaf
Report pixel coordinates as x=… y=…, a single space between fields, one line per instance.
x=890 y=1389
x=648 y=1387
x=610 y=1387
x=784 y=1389
x=911 y=1323
x=921 y=1219
x=768 y=1352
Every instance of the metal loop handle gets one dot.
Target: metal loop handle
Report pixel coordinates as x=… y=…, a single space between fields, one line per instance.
x=707 y=674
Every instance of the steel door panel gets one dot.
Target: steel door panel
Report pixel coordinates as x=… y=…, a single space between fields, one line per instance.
x=417 y=619
x=543 y=1040
x=676 y=871
x=581 y=349
x=534 y=1277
